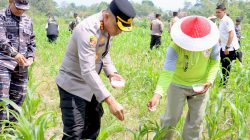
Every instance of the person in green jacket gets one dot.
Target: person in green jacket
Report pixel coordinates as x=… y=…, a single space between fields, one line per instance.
x=190 y=68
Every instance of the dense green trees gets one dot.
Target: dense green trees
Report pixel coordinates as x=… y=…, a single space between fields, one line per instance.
x=144 y=9
x=235 y=8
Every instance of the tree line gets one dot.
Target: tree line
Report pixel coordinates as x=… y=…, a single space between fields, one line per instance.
x=144 y=9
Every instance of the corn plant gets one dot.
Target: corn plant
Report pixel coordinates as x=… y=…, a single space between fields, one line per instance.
x=24 y=128
x=227 y=113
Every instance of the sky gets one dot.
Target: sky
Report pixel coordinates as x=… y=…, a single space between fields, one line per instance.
x=164 y=4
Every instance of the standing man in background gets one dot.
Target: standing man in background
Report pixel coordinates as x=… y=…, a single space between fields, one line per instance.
x=173 y=20
x=228 y=41
x=17 y=52
x=156 y=28
x=238 y=34
x=81 y=89
x=52 y=29
x=74 y=23
x=238 y=28
x=77 y=18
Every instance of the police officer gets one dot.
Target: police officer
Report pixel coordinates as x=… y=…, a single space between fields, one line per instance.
x=80 y=86
x=17 y=47
x=52 y=29
x=174 y=19
x=156 y=28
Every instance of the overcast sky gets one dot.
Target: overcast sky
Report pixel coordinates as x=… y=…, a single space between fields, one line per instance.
x=164 y=4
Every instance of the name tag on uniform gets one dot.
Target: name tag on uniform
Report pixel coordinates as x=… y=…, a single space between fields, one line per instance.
x=10 y=24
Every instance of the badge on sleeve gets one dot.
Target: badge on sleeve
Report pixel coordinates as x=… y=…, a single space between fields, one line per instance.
x=93 y=41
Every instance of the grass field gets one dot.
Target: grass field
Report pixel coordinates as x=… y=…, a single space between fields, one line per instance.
x=227 y=113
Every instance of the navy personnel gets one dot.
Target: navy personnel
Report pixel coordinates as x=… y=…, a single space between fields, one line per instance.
x=80 y=86
x=17 y=48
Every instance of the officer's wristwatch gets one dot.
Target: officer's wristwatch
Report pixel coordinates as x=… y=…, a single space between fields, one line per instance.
x=227 y=47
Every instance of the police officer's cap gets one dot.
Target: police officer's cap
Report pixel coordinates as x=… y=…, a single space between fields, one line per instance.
x=22 y=4
x=124 y=13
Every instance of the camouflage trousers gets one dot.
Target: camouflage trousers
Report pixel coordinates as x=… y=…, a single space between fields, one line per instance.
x=13 y=86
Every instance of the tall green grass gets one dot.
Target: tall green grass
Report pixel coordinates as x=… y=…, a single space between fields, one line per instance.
x=227 y=113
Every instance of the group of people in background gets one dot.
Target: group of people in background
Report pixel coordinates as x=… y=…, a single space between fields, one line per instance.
x=191 y=65
x=52 y=27
x=230 y=36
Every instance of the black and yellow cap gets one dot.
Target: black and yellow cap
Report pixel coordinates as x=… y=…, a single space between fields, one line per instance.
x=124 y=13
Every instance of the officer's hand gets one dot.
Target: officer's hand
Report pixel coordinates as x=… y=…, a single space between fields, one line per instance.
x=29 y=62
x=20 y=59
x=115 y=108
x=152 y=104
x=206 y=87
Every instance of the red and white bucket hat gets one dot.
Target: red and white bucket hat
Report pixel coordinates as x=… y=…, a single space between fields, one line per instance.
x=195 y=33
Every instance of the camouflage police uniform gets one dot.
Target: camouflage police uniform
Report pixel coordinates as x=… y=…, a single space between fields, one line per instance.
x=16 y=36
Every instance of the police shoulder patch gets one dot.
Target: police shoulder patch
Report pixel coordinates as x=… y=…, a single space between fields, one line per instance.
x=92 y=41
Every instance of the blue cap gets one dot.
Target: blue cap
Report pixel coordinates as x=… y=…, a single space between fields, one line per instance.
x=22 y=4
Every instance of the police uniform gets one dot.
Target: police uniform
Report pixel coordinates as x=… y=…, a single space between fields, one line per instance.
x=16 y=36
x=156 y=32
x=80 y=86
